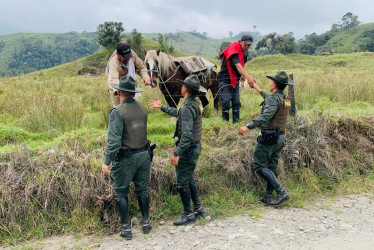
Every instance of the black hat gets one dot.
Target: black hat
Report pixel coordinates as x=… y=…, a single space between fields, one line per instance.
x=124 y=50
x=193 y=82
x=127 y=83
x=247 y=39
x=282 y=78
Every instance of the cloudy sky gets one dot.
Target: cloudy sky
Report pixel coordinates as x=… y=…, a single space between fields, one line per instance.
x=216 y=18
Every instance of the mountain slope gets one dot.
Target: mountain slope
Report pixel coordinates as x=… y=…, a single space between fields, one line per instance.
x=26 y=52
x=356 y=39
x=196 y=43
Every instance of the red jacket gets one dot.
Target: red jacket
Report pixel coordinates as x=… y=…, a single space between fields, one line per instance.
x=232 y=49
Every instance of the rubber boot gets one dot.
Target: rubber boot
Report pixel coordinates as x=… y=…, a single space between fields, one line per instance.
x=143 y=201
x=225 y=115
x=197 y=207
x=282 y=196
x=271 y=179
x=188 y=216
x=266 y=199
x=123 y=210
x=235 y=116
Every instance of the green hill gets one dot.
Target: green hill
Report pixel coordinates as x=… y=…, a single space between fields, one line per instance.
x=197 y=44
x=52 y=141
x=27 y=52
x=356 y=39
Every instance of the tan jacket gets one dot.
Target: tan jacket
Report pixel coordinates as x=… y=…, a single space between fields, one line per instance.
x=117 y=69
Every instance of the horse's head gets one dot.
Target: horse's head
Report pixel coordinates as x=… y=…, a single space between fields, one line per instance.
x=159 y=66
x=151 y=63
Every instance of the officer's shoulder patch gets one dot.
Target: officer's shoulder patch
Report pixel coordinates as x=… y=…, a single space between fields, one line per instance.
x=269 y=100
x=113 y=115
x=185 y=114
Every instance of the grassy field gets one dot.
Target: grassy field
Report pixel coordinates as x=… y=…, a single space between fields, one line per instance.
x=53 y=135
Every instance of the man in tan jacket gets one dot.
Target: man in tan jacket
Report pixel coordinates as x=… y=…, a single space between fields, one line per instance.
x=124 y=61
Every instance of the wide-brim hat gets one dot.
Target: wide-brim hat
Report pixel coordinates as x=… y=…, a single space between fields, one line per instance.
x=127 y=83
x=193 y=82
x=282 y=78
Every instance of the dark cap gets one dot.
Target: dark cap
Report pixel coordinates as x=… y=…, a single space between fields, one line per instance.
x=247 y=39
x=124 y=50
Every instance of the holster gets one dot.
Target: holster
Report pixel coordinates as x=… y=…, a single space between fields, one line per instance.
x=150 y=149
x=268 y=136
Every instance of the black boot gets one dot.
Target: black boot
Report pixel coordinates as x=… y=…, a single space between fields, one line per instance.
x=225 y=115
x=123 y=210
x=266 y=199
x=282 y=196
x=188 y=216
x=235 y=116
x=143 y=201
x=271 y=179
x=197 y=208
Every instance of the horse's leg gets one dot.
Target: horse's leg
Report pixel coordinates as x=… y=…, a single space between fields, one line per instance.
x=204 y=102
x=214 y=88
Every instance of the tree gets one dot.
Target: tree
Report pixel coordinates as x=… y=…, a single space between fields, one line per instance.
x=269 y=41
x=230 y=33
x=205 y=34
x=349 y=21
x=163 y=46
x=254 y=27
x=110 y=34
x=286 y=44
x=135 y=40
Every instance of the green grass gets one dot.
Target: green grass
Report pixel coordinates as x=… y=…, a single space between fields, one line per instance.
x=57 y=110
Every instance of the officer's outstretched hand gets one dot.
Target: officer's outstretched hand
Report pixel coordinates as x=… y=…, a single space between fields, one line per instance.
x=243 y=129
x=155 y=104
x=174 y=160
x=105 y=169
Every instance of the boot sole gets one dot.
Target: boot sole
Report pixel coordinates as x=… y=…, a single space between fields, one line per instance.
x=188 y=222
x=277 y=205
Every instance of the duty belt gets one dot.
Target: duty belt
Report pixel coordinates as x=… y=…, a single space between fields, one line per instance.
x=128 y=152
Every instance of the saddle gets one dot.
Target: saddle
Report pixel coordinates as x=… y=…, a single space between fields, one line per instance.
x=193 y=64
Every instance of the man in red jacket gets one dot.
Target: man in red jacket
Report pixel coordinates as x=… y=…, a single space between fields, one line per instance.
x=232 y=69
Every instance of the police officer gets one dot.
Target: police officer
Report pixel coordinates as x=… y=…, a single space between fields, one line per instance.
x=188 y=132
x=127 y=150
x=272 y=121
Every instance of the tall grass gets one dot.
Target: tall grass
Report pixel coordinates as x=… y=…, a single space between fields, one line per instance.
x=56 y=186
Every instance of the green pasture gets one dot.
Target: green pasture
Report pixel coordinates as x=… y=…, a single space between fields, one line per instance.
x=53 y=135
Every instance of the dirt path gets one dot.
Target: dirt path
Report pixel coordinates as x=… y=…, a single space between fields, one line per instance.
x=345 y=223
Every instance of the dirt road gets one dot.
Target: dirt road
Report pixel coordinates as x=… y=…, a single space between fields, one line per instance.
x=344 y=223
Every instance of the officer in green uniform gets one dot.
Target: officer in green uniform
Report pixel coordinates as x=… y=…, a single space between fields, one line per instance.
x=272 y=121
x=128 y=152
x=188 y=132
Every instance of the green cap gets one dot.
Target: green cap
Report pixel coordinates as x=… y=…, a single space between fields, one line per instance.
x=282 y=78
x=193 y=82
x=127 y=83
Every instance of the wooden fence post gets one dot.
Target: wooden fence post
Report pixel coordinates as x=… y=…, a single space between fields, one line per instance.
x=291 y=96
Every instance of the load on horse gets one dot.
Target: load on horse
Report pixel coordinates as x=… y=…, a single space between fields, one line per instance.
x=168 y=70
